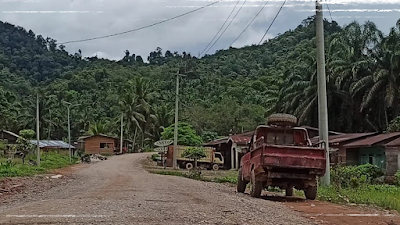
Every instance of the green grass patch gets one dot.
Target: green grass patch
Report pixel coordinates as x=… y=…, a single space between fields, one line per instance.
x=49 y=161
x=230 y=178
x=384 y=196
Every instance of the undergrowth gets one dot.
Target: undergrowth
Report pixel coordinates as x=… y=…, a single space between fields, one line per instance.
x=49 y=160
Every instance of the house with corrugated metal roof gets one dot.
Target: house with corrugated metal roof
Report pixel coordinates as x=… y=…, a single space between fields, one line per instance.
x=232 y=147
x=102 y=144
x=373 y=150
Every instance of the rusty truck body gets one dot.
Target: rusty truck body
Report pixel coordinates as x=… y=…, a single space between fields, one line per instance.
x=281 y=156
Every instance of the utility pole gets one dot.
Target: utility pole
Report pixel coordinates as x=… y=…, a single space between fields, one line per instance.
x=175 y=152
x=69 y=130
x=122 y=133
x=322 y=99
x=37 y=130
x=69 y=137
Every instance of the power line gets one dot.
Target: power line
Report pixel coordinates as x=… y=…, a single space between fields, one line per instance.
x=221 y=27
x=250 y=23
x=329 y=12
x=227 y=26
x=272 y=22
x=141 y=28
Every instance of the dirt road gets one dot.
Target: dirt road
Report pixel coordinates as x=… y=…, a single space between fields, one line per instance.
x=119 y=191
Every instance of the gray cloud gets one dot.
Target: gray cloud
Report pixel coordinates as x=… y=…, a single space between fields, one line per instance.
x=66 y=20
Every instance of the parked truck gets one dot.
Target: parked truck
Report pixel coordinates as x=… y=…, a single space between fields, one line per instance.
x=213 y=160
x=281 y=155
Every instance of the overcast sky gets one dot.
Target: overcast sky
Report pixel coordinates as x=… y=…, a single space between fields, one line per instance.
x=68 y=20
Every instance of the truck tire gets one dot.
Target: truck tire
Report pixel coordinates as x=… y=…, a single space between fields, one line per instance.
x=282 y=119
x=241 y=184
x=256 y=186
x=215 y=167
x=189 y=166
x=311 y=192
x=289 y=191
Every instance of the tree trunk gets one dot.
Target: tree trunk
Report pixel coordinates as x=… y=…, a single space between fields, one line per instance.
x=134 y=140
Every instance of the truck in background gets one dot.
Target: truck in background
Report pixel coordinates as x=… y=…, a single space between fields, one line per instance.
x=213 y=160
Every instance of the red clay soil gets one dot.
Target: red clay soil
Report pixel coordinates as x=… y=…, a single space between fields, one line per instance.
x=329 y=213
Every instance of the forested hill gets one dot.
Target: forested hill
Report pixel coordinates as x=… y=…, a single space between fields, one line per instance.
x=227 y=92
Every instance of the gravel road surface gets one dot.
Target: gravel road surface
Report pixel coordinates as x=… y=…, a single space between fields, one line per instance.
x=120 y=191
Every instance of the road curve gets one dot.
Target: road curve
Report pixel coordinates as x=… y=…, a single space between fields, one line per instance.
x=120 y=191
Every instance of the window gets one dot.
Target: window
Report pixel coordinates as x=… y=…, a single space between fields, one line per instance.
x=104 y=145
x=218 y=156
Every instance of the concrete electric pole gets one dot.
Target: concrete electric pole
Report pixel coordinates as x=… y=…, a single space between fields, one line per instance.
x=37 y=130
x=69 y=130
x=175 y=152
x=322 y=99
x=122 y=133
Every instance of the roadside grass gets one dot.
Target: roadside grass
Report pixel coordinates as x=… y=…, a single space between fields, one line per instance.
x=384 y=196
x=49 y=161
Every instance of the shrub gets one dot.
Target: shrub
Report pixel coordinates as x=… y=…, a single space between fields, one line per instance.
x=397 y=178
x=352 y=176
x=154 y=157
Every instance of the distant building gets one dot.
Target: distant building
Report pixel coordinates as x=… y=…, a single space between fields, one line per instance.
x=9 y=136
x=101 y=144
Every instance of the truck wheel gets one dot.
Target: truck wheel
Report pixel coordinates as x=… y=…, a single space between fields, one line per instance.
x=215 y=167
x=189 y=166
x=289 y=191
x=241 y=184
x=256 y=186
x=282 y=119
x=311 y=192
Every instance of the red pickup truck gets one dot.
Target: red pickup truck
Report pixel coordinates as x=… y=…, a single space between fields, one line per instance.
x=281 y=155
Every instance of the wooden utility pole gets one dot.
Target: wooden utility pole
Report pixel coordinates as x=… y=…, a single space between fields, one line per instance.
x=322 y=99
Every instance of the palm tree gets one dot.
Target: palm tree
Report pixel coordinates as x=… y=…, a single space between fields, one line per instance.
x=98 y=128
x=132 y=112
x=382 y=86
x=160 y=119
x=143 y=96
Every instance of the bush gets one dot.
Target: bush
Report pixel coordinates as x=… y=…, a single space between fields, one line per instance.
x=49 y=160
x=154 y=157
x=354 y=176
x=397 y=178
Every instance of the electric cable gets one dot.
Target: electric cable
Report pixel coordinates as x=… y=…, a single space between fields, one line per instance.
x=140 y=28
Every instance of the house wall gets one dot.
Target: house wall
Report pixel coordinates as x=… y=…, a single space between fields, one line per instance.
x=372 y=155
x=92 y=145
x=10 y=138
x=392 y=160
x=352 y=157
x=342 y=156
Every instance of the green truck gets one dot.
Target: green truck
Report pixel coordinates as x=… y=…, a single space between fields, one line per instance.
x=213 y=160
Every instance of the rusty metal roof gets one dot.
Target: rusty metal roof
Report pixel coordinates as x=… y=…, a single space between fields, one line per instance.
x=376 y=139
x=241 y=139
x=394 y=143
x=217 y=142
x=316 y=129
x=338 y=139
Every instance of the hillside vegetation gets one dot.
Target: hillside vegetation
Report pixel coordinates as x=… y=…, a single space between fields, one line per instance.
x=228 y=92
